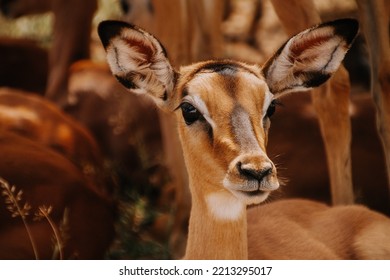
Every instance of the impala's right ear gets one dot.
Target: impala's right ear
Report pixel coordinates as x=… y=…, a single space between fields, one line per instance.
x=138 y=61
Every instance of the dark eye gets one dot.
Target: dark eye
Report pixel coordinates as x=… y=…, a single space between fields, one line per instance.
x=190 y=113
x=271 y=109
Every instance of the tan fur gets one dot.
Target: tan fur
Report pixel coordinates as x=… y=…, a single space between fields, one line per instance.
x=302 y=229
x=205 y=230
x=375 y=19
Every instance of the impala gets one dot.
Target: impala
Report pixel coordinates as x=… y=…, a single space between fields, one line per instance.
x=223 y=110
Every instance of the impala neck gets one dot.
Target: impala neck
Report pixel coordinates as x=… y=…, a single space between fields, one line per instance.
x=217 y=226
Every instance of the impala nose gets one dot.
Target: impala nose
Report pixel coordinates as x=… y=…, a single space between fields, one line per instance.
x=251 y=178
x=251 y=173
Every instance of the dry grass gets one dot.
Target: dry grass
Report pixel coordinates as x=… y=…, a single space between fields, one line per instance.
x=17 y=208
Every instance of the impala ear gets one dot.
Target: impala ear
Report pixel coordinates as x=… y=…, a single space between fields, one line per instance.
x=309 y=58
x=138 y=61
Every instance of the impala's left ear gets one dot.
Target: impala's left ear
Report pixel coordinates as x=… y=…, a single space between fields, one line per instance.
x=309 y=58
x=139 y=61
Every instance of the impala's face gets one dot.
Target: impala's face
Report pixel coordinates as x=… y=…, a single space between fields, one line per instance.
x=223 y=108
x=223 y=121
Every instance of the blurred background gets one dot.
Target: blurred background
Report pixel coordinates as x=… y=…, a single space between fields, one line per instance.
x=126 y=151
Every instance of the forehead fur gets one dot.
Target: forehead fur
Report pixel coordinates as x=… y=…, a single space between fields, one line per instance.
x=222 y=67
x=226 y=75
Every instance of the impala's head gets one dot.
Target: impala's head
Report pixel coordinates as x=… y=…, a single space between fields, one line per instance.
x=223 y=108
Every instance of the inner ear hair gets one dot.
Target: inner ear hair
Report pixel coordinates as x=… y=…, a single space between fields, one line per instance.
x=309 y=58
x=138 y=61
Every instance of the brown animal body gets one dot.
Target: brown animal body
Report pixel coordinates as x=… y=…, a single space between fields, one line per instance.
x=56 y=163
x=38 y=119
x=49 y=179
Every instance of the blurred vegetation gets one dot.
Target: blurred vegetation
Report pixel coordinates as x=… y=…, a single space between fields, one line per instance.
x=39 y=27
x=137 y=215
x=35 y=27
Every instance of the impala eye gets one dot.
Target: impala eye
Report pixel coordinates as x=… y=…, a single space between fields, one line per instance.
x=190 y=113
x=271 y=108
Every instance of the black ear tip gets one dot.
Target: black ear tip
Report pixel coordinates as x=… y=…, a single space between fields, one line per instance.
x=347 y=28
x=109 y=29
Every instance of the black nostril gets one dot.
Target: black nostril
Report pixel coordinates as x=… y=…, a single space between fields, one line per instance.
x=253 y=174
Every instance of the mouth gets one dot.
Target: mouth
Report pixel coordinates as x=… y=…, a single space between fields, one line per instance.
x=253 y=193
x=251 y=197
